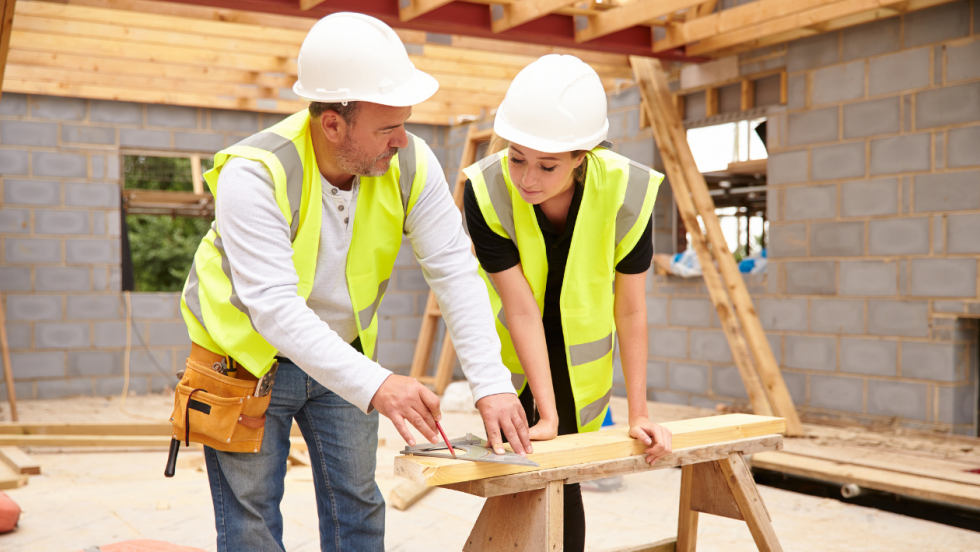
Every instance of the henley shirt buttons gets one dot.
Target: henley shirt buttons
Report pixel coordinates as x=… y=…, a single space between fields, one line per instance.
x=340 y=207
x=333 y=191
x=346 y=220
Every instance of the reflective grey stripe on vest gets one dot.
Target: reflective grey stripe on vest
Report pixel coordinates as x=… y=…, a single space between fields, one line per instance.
x=587 y=352
x=500 y=312
x=226 y=268
x=517 y=380
x=594 y=409
x=636 y=191
x=191 y=297
x=288 y=156
x=367 y=314
x=407 y=168
x=493 y=176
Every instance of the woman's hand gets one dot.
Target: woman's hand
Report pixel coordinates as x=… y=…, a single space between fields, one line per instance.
x=545 y=430
x=656 y=437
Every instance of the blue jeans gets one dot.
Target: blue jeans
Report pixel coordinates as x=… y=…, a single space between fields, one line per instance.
x=247 y=488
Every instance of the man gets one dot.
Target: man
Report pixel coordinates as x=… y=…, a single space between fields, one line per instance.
x=309 y=219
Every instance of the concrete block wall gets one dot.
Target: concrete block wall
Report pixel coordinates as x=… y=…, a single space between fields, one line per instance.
x=60 y=243
x=871 y=298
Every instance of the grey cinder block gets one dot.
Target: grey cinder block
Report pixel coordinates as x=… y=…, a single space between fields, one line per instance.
x=963 y=61
x=15 y=278
x=908 y=153
x=167 y=333
x=877 y=357
x=57 y=107
x=633 y=122
x=872 y=39
x=96 y=307
x=842 y=239
x=66 y=165
x=142 y=363
x=112 y=387
x=727 y=382
x=397 y=304
x=657 y=310
x=874 y=278
x=938 y=23
x=729 y=98
x=782 y=314
x=425 y=132
x=617 y=126
x=811 y=278
x=932 y=361
x=944 y=277
x=29 y=133
x=811 y=352
x=32 y=250
x=57 y=278
x=143 y=138
x=838 y=83
x=838 y=161
x=837 y=393
x=106 y=111
x=628 y=97
x=271 y=119
x=812 y=52
x=948 y=105
x=234 y=121
x=787 y=167
x=667 y=343
x=34 y=307
x=837 y=316
x=86 y=134
x=15 y=221
x=13 y=162
x=810 y=202
x=109 y=334
x=962 y=233
x=898 y=318
x=640 y=151
x=710 y=345
x=695 y=106
x=18 y=337
x=61 y=335
x=690 y=312
x=692 y=378
x=898 y=236
x=198 y=141
x=656 y=374
x=79 y=194
x=896 y=398
x=796 y=91
x=408 y=328
x=810 y=127
x=91 y=251
x=964 y=145
x=872 y=117
x=31 y=192
x=61 y=222
x=905 y=70
x=951 y=191
x=13 y=105
x=174 y=116
x=38 y=365
x=58 y=389
x=407 y=279
x=148 y=306
x=796 y=383
x=861 y=198
x=396 y=353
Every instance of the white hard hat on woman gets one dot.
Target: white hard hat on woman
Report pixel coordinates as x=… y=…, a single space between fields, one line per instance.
x=555 y=104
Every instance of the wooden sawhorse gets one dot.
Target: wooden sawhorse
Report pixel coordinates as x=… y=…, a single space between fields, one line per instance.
x=524 y=511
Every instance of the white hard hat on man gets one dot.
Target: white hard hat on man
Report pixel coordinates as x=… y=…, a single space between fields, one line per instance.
x=350 y=57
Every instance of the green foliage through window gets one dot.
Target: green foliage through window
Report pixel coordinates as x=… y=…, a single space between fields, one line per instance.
x=162 y=247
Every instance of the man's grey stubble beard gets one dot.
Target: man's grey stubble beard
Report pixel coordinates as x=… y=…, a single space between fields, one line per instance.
x=360 y=165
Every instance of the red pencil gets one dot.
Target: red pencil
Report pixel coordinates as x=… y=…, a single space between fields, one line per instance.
x=446 y=439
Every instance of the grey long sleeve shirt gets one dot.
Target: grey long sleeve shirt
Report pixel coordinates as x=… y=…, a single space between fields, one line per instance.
x=315 y=333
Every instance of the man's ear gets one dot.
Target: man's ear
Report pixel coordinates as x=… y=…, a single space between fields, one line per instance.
x=333 y=125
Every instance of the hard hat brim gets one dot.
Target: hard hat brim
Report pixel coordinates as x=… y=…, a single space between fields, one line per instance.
x=419 y=88
x=506 y=131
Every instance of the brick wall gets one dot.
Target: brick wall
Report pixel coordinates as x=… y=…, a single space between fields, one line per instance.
x=872 y=293
x=60 y=244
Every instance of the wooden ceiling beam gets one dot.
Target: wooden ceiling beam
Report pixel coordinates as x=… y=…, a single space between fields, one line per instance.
x=629 y=15
x=503 y=18
x=309 y=4
x=410 y=9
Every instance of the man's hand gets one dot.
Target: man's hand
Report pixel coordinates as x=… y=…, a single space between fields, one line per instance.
x=403 y=399
x=504 y=413
x=656 y=437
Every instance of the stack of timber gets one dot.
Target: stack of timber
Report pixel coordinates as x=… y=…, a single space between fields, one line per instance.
x=938 y=468
x=15 y=467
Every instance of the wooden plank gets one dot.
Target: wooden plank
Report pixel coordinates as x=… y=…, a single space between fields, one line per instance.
x=509 y=16
x=689 y=215
x=162 y=441
x=568 y=450
x=6 y=26
x=8 y=370
x=413 y=8
x=707 y=8
x=537 y=50
x=916 y=486
x=711 y=102
x=629 y=15
x=309 y=4
x=710 y=493
x=748 y=94
x=406 y=494
x=10 y=479
x=768 y=370
x=665 y=545
x=96 y=428
x=750 y=504
x=687 y=517
x=524 y=521
x=19 y=461
x=496 y=486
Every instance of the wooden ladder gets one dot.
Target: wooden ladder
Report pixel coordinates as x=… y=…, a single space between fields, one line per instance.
x=753 y=357
x=430 y=319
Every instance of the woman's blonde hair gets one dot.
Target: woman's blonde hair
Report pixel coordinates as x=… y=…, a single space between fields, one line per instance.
x=498 y=144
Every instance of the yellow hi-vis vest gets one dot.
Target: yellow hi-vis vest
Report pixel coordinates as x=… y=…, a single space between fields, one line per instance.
x=617 y=203
x=215 y=316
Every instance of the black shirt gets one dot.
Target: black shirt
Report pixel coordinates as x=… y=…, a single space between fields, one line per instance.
x=497 y=254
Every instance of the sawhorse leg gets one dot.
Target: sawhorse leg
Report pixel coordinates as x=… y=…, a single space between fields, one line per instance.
x=532 y=521
x=723 y=488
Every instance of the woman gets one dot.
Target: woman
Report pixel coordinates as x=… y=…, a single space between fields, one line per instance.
x=563 y=231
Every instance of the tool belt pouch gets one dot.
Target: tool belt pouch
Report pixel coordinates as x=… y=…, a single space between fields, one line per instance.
x=222 y=411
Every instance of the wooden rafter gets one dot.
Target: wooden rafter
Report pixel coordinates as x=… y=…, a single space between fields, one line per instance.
x=309 y=4
x=504 y=17
x=413 y=8
x=629 y=15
